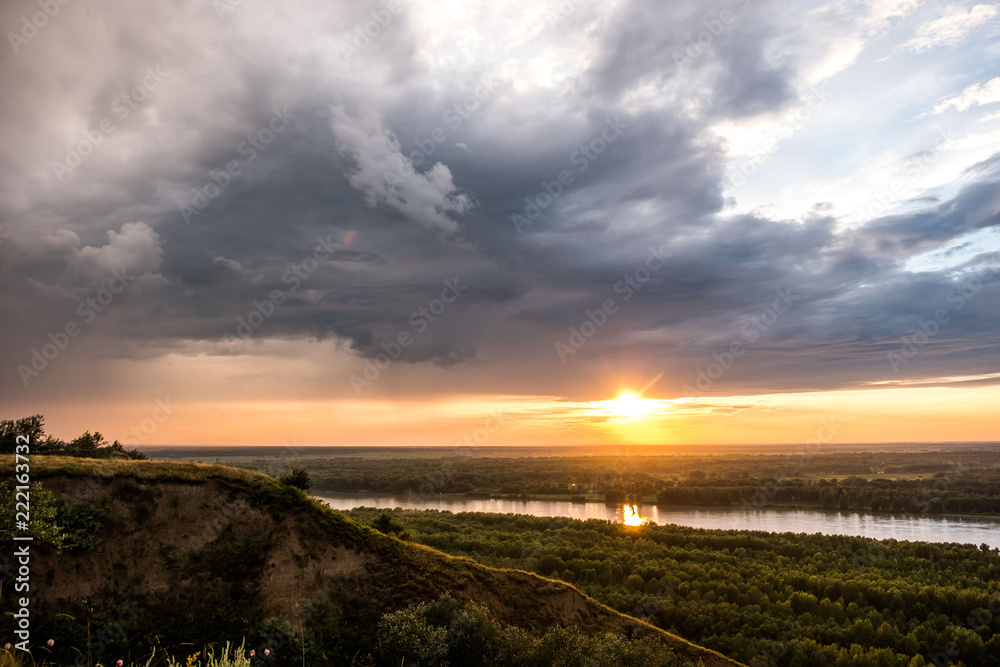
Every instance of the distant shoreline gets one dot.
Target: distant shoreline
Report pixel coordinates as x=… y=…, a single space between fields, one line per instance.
x=769 y=506
x=550 y=451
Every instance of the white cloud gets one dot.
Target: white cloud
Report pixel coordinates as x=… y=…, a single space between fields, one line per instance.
x=951 y=28
x=883 y=15
x=386 y=176
x=134 y=251
x=973 y=96
x=980 y=140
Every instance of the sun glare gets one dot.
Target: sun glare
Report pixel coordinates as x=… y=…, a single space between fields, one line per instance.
x=631 y=406
x=631 y=516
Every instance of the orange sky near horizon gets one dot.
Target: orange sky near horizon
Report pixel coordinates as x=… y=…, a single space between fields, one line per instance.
x=490 y=226
x=912 y=414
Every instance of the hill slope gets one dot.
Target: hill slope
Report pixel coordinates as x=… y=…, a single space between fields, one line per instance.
x=182 y=552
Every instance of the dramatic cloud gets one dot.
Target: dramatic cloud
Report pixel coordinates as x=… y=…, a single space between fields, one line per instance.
x=298 y=194
x=386 y=176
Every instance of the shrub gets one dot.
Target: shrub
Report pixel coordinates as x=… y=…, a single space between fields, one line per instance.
x=299 y=478
x=46 y=527
x=386 y=523
x=82 y=525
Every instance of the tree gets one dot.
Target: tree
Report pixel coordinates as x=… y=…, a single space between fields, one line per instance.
x=90 y=445
x=615 y=494
x=33 y=427
x=385 y=523
x=298 y=477
x=94 y=446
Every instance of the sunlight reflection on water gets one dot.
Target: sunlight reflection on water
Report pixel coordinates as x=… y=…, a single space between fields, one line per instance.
x=911 y=527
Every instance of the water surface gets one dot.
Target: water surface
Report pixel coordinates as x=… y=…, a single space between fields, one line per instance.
x=911 y=527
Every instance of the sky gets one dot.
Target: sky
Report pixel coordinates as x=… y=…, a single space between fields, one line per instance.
x=409 y=222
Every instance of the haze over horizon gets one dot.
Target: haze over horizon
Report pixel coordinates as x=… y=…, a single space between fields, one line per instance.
x=553 y=223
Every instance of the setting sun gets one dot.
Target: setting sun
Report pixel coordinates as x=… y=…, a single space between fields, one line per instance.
x=631 y=406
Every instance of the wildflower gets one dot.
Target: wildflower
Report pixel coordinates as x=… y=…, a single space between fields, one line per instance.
x=252 y=654
x=51 y=642
x=267 y=651
x=120 y=663
x=7 y=646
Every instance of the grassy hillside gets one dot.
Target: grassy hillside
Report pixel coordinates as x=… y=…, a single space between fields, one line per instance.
x=178 y=555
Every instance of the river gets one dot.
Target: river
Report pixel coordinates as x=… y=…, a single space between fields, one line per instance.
x=912 y=527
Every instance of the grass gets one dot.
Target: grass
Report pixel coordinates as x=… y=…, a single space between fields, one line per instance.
x=397 y=575
x=70 y=466
x=229 y=657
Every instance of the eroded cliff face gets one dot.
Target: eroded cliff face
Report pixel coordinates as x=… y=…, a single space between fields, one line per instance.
x=217 y=557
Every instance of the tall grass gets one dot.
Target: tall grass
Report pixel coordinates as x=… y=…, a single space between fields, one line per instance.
x=42 y=466
x=229 y=657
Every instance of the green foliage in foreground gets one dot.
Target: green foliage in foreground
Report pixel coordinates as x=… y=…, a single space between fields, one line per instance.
x=208 y=657
x=53 y=521
x=215 y=588
x=439 y=633
x=784 y=599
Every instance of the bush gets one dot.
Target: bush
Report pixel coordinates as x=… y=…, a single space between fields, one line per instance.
x=385 y=523
x=46 y=526
x=405 y=637
x=82 y=524
x=442 y=633
x=299 y=478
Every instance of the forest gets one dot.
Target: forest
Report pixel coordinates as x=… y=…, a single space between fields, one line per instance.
x=960 y=482
x=762 y=598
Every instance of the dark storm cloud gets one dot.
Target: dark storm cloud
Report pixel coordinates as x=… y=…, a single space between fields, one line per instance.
x=973 y=208
x=713 y=53
x=202 y=264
